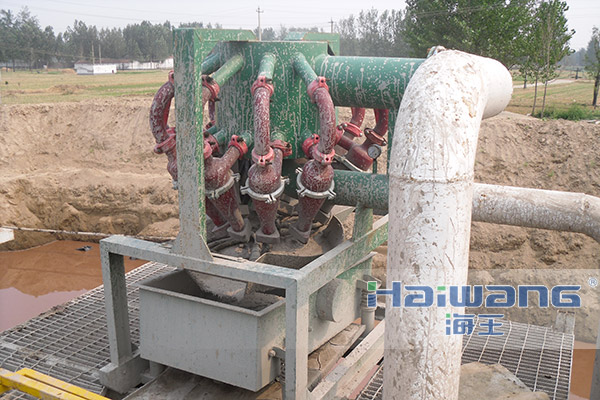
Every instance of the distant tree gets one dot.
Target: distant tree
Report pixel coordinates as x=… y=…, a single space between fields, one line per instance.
x=9 y=50
x=80 y=39
x=552 y=40
x=592 y=62
x=113 y=43
x=372 y=33
x=491 y=28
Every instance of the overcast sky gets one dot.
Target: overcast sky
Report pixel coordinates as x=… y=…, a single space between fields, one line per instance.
x=582 y=15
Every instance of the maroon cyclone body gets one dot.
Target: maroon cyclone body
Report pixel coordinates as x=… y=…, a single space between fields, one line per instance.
x=217 y=176
x=317 y=173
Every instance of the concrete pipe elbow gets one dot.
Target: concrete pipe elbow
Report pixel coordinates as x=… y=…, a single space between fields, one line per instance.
x=430 y=201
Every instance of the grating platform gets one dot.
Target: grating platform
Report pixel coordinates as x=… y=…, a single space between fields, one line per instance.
x=69 y=342
x=540 y=357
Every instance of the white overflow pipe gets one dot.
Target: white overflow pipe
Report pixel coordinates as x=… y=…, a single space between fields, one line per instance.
x=536 y=208
x=431 y=189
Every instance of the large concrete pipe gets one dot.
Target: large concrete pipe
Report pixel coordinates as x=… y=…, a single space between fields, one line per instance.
x=431 y=189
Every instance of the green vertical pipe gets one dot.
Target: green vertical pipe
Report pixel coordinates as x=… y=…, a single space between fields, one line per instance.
x=303 y=68
x=211 y=63
x=267 y=66
x=227 y=70
x=370 y=82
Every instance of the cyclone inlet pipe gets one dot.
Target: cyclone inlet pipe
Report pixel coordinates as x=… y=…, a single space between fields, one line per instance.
x=431 y=189
x=163 y=134
x=265 y=184
x=315 y=180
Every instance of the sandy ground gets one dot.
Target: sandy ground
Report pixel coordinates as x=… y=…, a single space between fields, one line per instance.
x=89 y=166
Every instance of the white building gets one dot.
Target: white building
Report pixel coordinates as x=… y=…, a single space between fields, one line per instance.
x=85 y=68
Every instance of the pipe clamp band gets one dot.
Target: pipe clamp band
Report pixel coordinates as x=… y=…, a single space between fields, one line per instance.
x=303 y=191
x=268 y=198
x=215 y=194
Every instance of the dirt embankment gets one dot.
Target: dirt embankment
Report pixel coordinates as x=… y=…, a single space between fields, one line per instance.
x=85 y=166
x=89 y=166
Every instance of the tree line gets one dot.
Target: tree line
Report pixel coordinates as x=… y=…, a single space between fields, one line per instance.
x=25 y=42
x=530 y=35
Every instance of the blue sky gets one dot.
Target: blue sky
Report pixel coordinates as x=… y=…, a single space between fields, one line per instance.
x=582 y=15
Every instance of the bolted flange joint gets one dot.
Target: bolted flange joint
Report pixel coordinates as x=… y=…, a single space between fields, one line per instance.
x=212 y=86
x=263 y=81
x=320 y=82
x=349 y=127
x=264 y=159
x=285 y=147
x=208 y=149
x=239 y=143
x=168 y=144
x=303 y=191
x=308 y=144
x=323 y=158
x=375 y=137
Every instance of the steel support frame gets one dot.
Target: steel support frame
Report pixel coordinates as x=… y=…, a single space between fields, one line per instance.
x=126 y=366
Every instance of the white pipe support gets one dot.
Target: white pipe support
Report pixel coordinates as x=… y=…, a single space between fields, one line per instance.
x=430 y=201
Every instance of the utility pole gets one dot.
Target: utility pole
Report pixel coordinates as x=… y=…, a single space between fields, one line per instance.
x=331 y=22
x=259 y=11
x=100 y=52
x=93 y=55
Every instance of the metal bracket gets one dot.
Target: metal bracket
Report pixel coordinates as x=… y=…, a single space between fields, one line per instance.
x=215 y=194
x=303 y=191
x=268 y=198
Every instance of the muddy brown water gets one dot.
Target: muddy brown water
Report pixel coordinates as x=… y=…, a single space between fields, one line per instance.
x=33 y=281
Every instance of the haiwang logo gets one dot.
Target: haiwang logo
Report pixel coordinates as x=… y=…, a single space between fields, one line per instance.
x=489 y=296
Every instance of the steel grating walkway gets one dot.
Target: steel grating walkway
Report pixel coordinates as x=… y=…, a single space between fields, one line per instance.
x=540 y=357
x=69 y=342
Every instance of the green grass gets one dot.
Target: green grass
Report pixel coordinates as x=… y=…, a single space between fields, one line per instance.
x=560 y=99
x=64 y=85
x=573 y=113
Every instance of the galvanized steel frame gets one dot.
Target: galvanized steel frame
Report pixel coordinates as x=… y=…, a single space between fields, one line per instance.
x=126 y=365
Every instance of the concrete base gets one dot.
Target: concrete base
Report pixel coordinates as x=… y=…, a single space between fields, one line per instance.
x=273 y=238
x=244 y=235
x=300 y=236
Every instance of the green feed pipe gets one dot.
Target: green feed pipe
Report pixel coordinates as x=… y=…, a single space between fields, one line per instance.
x=267 y=66
x=227 y=70
x=369 y=190
x=303 y=68
x=369 y=82
x=211 y=64
x=351 y=188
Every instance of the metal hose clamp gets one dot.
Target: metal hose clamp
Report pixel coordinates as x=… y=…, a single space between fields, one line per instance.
x=303 y=191
x=268 y=198
x=218 y=192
